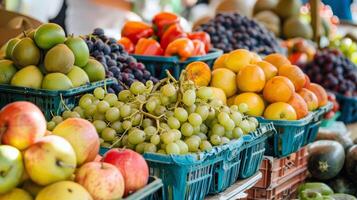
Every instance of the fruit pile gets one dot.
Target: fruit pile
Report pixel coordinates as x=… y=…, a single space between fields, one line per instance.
x=234 y=31
x=45 y=58
x=171 y=117
x=64 y=164
x=346 y=46
x=245 y=78
x=300 y=51
x=333 y=71
x=172 y=40
x=116 y=61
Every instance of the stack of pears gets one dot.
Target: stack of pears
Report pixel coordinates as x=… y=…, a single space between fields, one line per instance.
x=46 y=59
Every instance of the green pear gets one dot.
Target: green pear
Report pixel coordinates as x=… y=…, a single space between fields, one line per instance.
x=48 y=35
x=79 y=49
x=59 y=59
x=10 y=47
x=78 y=76
x=29 y=76
x=26 y=53
x=56 y=81
x=11 y=168
x=7 y=71
x=94 y=70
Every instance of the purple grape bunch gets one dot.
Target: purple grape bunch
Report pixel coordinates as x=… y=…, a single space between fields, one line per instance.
x=116 y=61
x=333 y=71
x=230 y=31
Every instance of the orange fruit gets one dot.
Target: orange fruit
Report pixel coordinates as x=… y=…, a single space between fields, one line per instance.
x=277 y=60
x=224 y=79
x=295 y=74
x=199 y=72
x=251 y=79
x=279 y=88
x=310 y=99
x=299 y=105
x=307 y=81
x=219 y=94
x=220 y=61
x=319 y=92
x=238 y=59
x=269 y=70
x=255 y=103
x=255 y=58
x=280 y=111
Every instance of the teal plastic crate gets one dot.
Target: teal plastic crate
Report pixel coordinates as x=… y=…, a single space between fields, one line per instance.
x=316 y=120
x=290 y=136
x=157 y=65
x=152 y=191
x=51 y=102
x=253 y=150
x=348 y=108
x=326 y=123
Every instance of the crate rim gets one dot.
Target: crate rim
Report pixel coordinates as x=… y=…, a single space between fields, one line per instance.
x=155 y=185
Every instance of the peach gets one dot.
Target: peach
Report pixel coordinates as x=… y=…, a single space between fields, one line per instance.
x=299 y=105
x=310 y=99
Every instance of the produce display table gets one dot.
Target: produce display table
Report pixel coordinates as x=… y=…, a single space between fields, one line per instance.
x=236 y=191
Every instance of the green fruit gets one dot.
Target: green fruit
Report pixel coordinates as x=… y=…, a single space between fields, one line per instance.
x=79 y=49
x=78 y=76
x=95 y=70
x=59 y=59
x=29 y=76
x=7 y=71
x=26 y=53
x=56 y=81
x=295 y=27
x=48 y=35
x=10 y=47
x=288 y=8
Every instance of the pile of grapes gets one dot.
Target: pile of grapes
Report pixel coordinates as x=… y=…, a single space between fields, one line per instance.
x=170 y=117
x=233 y=31
x=333 y=71
x=117 y=62
x=347 y=46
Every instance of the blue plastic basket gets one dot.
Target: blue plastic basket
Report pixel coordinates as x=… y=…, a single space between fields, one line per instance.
x=253 y=150
x=157 y=65
x=289 y=138
x=348 y=108
x=152 y=191
x=317 y=117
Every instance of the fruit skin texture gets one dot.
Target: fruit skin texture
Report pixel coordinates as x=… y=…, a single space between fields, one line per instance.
x=199 y=72
x=29 y=76
x=94 y=70
x=319 y=92
x=79 y=49
x=277 y=60
x=7 y=71
x=78 y=76
x=251 y=79
x=56 y=81
x=64 y=190
x=280 y=111
x=60 y=58
x=307 y=81
x=16 y=194
x=278 y=89
x=269 y=70
x=11 y=167
x=238 y=59
x=102 y=180
x=299 y=105
x=220 y=61
x=310 y=99
x=10 y=47
x=218 y=93
x=49 y=160
x=295 y=74
x=126 y=160
x=48 y=35
x=224 y=79
x=21 y=124
x=25 y=53
x=255 y=103
x=83 y=137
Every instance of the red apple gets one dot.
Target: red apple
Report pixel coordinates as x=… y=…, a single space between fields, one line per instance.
x=21 y=124
x=102 y=180
x=83 y=137
x=132 y=166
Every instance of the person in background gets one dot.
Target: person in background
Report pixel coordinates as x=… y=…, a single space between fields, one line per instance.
x=340 y=8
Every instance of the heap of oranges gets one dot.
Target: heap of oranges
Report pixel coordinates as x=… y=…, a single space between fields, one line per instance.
x=271 y=87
